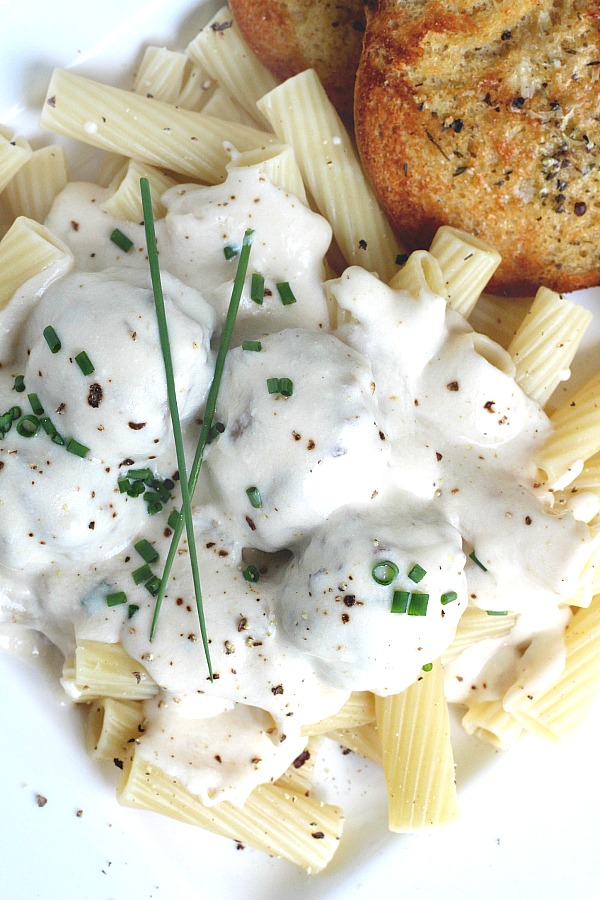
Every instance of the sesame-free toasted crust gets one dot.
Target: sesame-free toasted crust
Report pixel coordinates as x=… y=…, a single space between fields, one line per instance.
x=289 y=36
x=485 y=115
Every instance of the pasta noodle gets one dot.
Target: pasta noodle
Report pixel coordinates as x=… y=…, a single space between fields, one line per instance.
x=26 y=249
x=467 y=264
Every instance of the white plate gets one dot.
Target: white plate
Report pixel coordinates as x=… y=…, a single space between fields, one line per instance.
x=529 y=819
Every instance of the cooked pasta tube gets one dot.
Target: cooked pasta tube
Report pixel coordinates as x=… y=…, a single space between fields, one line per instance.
x=220 y=49
x=421 y=272
x=278 y=821
x=148 y=130
x=278 y=164
x=364 y=740
x=126 y=202
x=545 y=344
x=556 y=711
x=575 y=438
x=490 y=722
x=33 y=188
x=222 y=106
x=417 y=756
x=467 y=264
x=499 y=317
x=26 y=249
x=160 y=74
x=112 y=726
x=14 y=153
x=475 y=625
x=302 y=115
x=106 y=670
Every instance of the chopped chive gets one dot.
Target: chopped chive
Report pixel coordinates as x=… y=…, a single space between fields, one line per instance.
x=153 y=585
x=174 y=519
x=254 y=497
x=58 y=439
x=251 y=573
x=121 y=240
x=135 y=489
x=116 y=599
x=215 y=430
x=131 y=610
x=28 y=426
x=384 y=571
x=417 y=605
x=273 y=385
x=14 y=412
x=400 y=601
x=139 y=474
x=77 y=448
x=153 y=507
x=252 y=345
x=417 y=573
x=36 y=407
x=229 y=252
x=51 y=339
x=146 y=550
x=257 y=288
x=286 y=387
x=48 y=425
x=285 y=292
x=497 y=612
x=142 y=574
x=448 y=597
x=477 y=561
x=20 y=384
x=401 y=259
x=123 y=485
x=427 y=667
x=84 y=363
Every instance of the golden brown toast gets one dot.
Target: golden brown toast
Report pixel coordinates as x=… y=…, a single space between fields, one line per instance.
x=486 y=115
x=289 y=36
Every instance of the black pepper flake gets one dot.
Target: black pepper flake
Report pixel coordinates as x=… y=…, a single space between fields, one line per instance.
x=438 y=456
x=51 y=101
x=41 y=800
x=251 y=523
x=118 y=762
x=95 y=395
x=457 y=126
x=518 y=102
x=345 y=618
x=453 y=386
x=362 y=244
x=350 y=599
x=301 y=759
x=137 y=426
x=91 y=525
x=506 y=35
x=278 y=689
x=580 y=208
x=222 y=26
x=460 y=171
x=74 y=225
x=318 y=835
x=528 y=520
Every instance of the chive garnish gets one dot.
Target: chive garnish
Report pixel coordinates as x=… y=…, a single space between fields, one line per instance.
x=142 y=574
x=229 y=252
x=477 y=561
x=188 y=487
x=28 y=426
x=384 y=571
x=153 y=585
x=448 y=597
x=123 y=485
x=251 y=573
x=254 y=497
x=77 y=448
x=417 y=573
x=36 y=407
x=215 y=430
x=286 y=387
x=84 y=363
x=497 y=612
x=20 y=384
x=400 y=601
x=51 y=339
x=121 y=240
x=257 y=288
x=285 y=292
x=412 y=602
x=273 y=385
x=174 y=519
x=427 y=667
x=252 y=345
x=131 y=610
x=139 y=474
x=148 y=553
x=48 y=425
x=116 y=599
x=58 y=439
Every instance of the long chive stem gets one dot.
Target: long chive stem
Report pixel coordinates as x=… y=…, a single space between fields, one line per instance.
x=172 y=397
x=211 y=404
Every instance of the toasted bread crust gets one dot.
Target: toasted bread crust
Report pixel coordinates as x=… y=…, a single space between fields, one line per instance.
x=486 y=115
x=289 y=36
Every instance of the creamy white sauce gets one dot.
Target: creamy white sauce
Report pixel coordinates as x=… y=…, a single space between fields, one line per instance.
x=405 y=440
